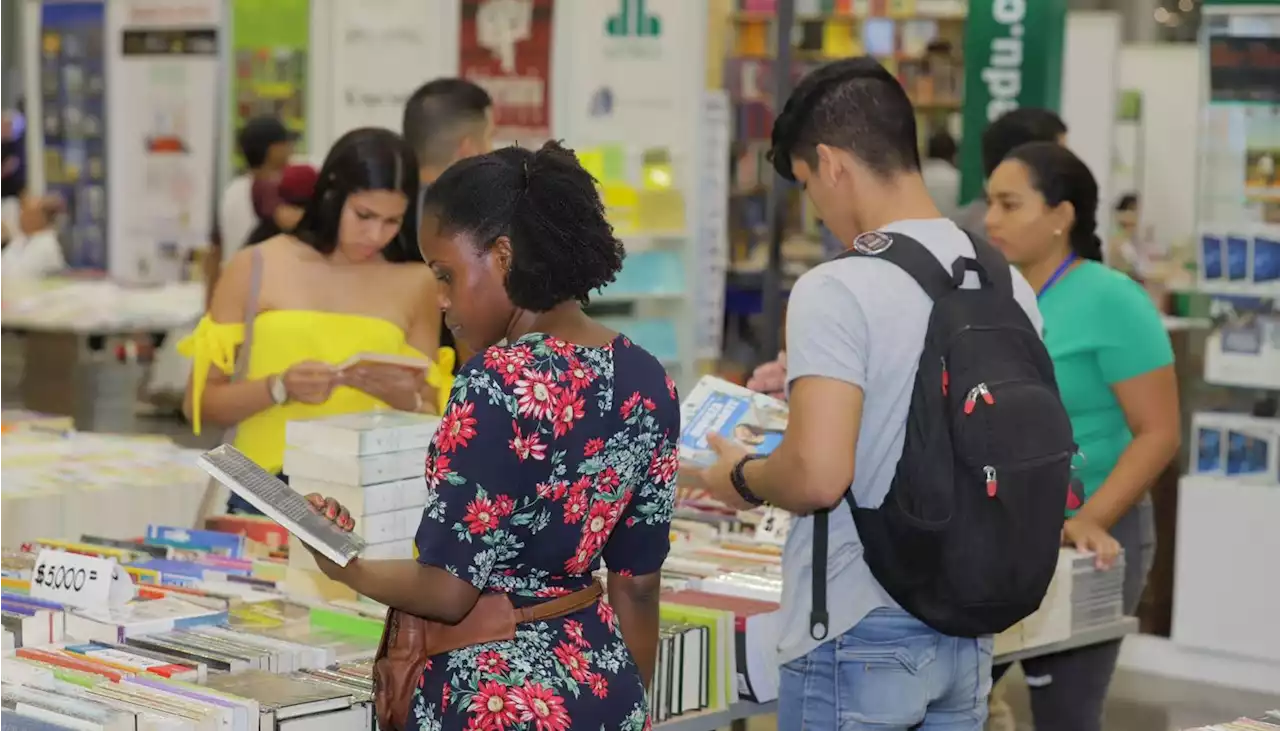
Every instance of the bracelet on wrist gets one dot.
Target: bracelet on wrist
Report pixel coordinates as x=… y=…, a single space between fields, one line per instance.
x=739 y=479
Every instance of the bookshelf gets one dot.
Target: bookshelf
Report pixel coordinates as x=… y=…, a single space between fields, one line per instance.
x=920 y=41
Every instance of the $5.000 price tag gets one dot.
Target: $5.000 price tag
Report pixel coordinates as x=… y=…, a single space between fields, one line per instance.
x=83 y=582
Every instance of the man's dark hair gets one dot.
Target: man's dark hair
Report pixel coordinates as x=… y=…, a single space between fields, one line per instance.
x=1017 y=128
x=941 y=146
x=563 y=247
x=367 y=158
x=439 y=114
x=853 y=104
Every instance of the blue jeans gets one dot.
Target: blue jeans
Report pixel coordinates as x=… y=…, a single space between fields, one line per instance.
x=891 y=671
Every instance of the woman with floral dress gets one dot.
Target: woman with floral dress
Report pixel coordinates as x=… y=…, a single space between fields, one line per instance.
x=557 y=451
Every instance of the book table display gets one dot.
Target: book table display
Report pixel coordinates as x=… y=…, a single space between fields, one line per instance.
x=51 y=361
x=232 y=626
x=58 y=482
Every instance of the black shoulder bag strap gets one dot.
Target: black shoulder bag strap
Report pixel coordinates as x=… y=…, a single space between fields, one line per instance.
x=993 y=263
x=912 y=257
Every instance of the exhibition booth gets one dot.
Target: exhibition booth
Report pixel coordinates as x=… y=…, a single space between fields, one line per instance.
x=132 y=109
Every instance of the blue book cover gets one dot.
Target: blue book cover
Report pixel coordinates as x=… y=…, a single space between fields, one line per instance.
x=1211 y=250
x=223 y=544
x=754 y=420
x=9 y=599
x=1237 y=258
x=1266 y=258
x=1208 y=450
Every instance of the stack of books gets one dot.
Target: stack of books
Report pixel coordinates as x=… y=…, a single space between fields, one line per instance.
x=374 y=465
x=1080 y=598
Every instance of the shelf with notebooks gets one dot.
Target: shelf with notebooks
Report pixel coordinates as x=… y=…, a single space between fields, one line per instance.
x=919 y=41
x=651 y=300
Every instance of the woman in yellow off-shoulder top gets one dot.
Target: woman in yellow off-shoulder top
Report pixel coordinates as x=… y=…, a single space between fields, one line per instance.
x=349 y=280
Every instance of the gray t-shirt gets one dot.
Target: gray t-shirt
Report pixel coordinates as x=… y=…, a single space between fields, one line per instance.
x=863 y=322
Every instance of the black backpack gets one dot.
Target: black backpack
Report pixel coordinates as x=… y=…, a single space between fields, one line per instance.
x=967 y=537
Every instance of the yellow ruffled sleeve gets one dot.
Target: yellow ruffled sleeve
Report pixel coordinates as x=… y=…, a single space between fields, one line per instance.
x=212 y=345
x=440 y=377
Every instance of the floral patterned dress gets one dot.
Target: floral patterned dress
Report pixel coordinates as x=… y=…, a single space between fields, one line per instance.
x=550 y=457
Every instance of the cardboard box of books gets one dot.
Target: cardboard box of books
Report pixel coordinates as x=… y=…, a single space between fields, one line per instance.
x=717 y=406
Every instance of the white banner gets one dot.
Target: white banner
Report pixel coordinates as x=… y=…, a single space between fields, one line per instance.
x=380 y=52
x=162 y=60
x=629 y=70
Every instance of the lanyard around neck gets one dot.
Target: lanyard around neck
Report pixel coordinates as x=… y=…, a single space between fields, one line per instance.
x=1057 y=274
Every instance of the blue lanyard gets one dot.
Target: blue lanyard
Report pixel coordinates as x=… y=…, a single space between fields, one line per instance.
x=1057 y=274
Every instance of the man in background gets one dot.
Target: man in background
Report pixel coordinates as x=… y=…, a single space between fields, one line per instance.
x=15 y=168
x=447 y=120
x=31 y=247
x=266 y=146
x=940 y=174
x=1014 y=129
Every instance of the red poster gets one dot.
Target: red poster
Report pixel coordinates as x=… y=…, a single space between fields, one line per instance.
x=506 y=48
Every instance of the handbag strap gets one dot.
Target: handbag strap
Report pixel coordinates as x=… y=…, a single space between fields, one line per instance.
x=250 y=311
x=250 y=316
x=560 y=606
x=209 y=502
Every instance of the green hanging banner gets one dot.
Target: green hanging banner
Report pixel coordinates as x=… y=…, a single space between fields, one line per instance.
x=1012 y=58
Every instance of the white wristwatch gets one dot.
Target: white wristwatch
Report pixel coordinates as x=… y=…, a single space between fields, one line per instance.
x=279 y=394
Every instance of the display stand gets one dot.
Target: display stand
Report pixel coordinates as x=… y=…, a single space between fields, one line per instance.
x=162 y=60
x=64 y=56
x=628 y=89
x=1228 y=510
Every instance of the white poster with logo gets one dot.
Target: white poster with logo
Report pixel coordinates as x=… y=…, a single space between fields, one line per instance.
x=629 y=70
x=162 y=59
x=368 y=59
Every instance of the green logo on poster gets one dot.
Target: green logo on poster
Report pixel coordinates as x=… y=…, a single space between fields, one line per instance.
x=632 y=20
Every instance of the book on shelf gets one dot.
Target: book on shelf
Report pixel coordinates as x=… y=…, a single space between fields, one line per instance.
x=277 y=500
x=716 y=406
x=681 y=678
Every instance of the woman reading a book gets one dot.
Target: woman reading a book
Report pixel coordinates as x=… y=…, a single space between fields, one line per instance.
x=287 y=312
x=557 y=451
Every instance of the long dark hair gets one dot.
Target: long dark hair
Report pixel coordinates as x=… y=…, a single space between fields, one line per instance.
x=1060 y=177
x=368 y=158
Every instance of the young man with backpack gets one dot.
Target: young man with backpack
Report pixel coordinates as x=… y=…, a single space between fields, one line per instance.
x=937 y=524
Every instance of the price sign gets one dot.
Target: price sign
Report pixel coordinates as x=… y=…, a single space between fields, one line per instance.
x=83 y=582
x=773 y=526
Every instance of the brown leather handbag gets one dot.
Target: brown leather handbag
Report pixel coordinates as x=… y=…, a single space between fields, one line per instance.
x=409 y=641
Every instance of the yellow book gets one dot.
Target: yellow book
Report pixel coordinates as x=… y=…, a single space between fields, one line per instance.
x=841 y=39
x=120 y=554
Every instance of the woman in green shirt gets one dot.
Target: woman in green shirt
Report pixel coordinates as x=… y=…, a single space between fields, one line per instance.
x=1114 y=367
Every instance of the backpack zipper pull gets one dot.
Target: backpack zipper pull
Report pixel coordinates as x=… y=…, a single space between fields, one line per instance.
x=992 y=484
x=971 y=400
x=986 y=394
x=946 y=378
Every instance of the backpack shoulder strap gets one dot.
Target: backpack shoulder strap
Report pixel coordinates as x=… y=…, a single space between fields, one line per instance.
x=993 y=262
x=907 y=254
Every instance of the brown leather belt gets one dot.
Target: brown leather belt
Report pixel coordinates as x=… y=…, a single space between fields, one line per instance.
x=408 y=642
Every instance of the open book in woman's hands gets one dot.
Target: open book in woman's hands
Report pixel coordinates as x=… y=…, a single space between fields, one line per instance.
x=421 y=366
